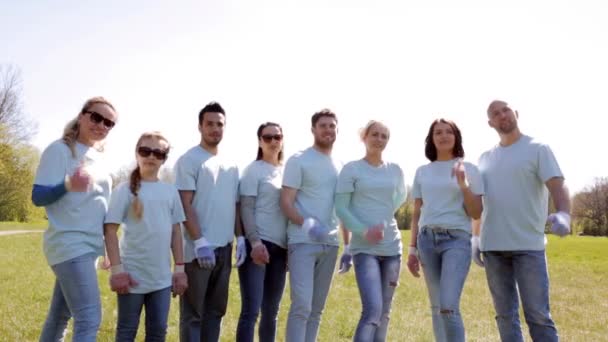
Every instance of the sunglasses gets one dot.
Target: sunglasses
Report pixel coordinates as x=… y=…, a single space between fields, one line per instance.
x=268 y=137
x=145 y=152
x=98 y=118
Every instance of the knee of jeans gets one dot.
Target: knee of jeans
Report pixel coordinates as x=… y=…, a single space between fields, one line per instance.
x=372 y=314
x=541 y=317
x=301 y=309
x=90 y=317
x=449 y=312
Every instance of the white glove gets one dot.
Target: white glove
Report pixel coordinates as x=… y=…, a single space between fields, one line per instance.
x=475 y=252
x=560 y=223
x=241 y=251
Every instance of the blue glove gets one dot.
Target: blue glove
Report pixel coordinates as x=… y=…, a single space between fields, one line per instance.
x=346 y=260
x=315 y=229
x=204 y=254
x=560 y=223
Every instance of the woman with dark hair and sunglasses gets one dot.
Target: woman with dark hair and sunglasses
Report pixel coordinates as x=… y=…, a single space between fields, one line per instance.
x=73 y=185
x=447 y=195
x=150 y=212
x=262 y=275
x=369 y=192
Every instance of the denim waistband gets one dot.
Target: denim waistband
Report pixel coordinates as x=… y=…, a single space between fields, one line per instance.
x=436 y=229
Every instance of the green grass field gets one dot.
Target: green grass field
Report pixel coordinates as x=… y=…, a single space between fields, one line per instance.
x=578 y=268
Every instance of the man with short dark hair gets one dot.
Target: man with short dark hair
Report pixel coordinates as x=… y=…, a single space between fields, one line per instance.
x=208 y=187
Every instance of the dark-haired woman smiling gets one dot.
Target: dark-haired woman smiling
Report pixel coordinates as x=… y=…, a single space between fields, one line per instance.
x=447 y=195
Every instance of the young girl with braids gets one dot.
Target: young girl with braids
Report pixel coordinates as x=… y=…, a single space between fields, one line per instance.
x=73 y=185
x=150 y=212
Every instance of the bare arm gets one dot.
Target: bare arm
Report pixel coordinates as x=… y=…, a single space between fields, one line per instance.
x=414 y=223
x=238 y=226
x=191 y=223
x=176 y=244
x=287 y=201
x=472 y=203
x=111 y=238
x=560 y=194
x=345 y=234
x=476 y=227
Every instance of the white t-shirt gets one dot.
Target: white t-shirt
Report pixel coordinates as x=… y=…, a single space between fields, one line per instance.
x=263 y=181
x=314 y=175
x=372 y=201
x=516 y=198
x=442 y=199
x=76 y=219
x=145 y=245
x=215 y=183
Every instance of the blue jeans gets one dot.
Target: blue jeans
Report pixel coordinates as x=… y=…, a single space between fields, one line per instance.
x=509 y=271
x=311 y=269
x=76 y=294
x=261 y=288
x=204 y=303
x=377 y=278
x=157 y=311
x=445 y=256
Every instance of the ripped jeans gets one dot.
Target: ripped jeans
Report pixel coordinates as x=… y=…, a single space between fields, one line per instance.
x=445 y=256
x=377 y=278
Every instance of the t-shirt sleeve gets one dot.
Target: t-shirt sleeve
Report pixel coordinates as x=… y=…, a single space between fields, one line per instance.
x=547 y=164
x=249 y=182
x=53 y=165
x=118 y=207
x=346 y=180
x=177 y=211
x=292 y=176
x=416 y=188
x=185 y=174
x=474 y=178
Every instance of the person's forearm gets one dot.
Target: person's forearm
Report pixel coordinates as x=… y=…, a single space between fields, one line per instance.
x=350 y=221
x=345 y=234
x=192 y=227
x=111 y=240
x=561 y=199
x=414 y=234
x=248 y=216
x=472 y=203
x=43 y=195
x=476 y=227
x=238 y=226
x=177 y=245
x=290 y=211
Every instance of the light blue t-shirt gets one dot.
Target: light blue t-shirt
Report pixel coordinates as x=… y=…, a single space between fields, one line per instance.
x=76 y=219
x=314 y=175
x=215 y=183
x=145 y=245
x=442 y=199
x=263 y=181
x=516 y=199
x=373 y=191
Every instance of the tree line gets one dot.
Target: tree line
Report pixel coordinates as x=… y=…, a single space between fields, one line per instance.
x=19 y=159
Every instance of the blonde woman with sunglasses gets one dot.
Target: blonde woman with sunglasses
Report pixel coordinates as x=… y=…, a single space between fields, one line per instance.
x=73 y=185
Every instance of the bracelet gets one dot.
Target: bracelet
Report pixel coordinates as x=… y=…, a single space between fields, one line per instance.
x=178 y=268
x=179 y=264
